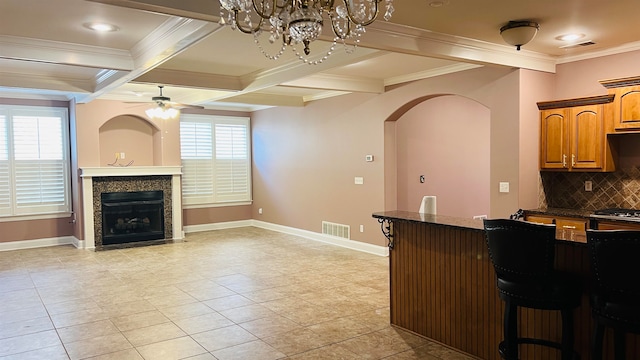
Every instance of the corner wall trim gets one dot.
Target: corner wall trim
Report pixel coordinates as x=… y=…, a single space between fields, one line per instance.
x=37 y=243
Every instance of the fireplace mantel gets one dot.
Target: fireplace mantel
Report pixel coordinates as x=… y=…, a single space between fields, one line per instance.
x=88 y=173
x=130 y=171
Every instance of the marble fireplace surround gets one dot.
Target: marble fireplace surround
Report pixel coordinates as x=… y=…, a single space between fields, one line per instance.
x=133 y=178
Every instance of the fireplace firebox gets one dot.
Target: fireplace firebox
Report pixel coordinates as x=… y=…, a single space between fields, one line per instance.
x=132 y=216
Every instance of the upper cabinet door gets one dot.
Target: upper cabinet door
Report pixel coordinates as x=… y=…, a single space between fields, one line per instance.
x=554 y=137
x=587 y=137
x=627 y=108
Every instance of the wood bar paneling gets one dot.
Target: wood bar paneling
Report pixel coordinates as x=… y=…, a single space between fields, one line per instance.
x=443 y=288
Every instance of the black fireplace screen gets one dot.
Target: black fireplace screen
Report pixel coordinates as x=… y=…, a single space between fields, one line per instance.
x=132 y=216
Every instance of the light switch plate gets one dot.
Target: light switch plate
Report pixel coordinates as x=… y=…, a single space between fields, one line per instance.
x=504 y=187
x=358 y=180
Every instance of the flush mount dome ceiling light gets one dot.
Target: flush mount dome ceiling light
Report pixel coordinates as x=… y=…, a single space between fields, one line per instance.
x=518 y=33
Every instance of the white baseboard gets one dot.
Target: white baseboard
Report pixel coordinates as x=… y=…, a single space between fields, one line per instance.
x=349 y=244
x=37 y=243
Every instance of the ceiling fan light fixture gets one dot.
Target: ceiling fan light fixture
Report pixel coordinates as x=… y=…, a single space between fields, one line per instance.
x=518 y=33
x=162 y=112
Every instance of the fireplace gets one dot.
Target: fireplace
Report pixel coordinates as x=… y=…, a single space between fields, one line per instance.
x=139 y=182
x=132 y=216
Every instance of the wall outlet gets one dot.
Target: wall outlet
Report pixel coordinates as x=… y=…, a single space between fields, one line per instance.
x=361 y=228
x=260 y=211
x=368 y=158
x=121 y=155
x=588 y=185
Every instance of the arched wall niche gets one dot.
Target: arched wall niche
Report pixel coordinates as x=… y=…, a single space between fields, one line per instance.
x=134 y=136
x=446 y=138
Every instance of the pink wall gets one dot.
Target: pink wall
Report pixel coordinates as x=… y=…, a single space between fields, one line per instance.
x=132 y=136
x=92 y=116
x=536 y=86
x=305 y=159
x=580 y=78
x=201 y=216
x=446 y=139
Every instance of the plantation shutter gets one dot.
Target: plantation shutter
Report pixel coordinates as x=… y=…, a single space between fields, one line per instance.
x=5 y=184
x=232 y=165
x=216 y=161
x=196 y=146
x=40 y=169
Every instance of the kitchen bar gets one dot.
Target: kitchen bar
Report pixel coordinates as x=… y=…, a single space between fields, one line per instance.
x=442 y=287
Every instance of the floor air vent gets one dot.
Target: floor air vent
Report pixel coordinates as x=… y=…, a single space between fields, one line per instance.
x=339 y=230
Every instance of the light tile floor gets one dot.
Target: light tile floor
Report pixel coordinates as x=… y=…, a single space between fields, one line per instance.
x=232 y=294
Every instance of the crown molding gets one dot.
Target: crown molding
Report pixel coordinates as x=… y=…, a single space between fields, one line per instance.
x=409 y=40
x=633 y=46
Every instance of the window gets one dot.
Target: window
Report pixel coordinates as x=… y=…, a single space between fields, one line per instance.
x=216 y=159
x=34 y=160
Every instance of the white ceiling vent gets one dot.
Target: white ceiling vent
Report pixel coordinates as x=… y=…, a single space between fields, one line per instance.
x=338 y=230
x=581 y=44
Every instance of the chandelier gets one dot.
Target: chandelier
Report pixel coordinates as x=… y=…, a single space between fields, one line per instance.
x=296 y=22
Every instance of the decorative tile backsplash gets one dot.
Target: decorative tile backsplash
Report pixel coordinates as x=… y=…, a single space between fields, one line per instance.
x=566 y=190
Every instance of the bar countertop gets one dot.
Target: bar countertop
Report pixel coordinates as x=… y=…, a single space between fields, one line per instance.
x=564 y=235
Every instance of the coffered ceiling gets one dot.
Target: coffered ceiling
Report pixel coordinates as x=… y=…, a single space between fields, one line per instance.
x=46 y=52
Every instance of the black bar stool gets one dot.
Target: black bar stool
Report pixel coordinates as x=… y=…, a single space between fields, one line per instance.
x=523 y=255
x=615 y=298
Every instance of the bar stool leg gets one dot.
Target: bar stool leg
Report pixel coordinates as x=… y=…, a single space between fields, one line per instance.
x=510 y=331
x=619 y=345
x=596 y=344
x=567 y=334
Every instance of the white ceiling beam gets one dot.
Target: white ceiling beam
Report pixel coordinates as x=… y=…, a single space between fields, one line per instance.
x=165 y=42
x=338 y=83
x=266 y=99
x=297 y=69
x=190 y=79
x=57 y=52
x=403 y=39
x=57 y=83
x=208 y=10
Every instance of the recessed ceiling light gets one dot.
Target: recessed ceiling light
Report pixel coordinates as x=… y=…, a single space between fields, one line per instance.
x=570 y=37
x=100 y=27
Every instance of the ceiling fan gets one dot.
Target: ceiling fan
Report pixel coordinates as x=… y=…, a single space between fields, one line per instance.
x=165 y=102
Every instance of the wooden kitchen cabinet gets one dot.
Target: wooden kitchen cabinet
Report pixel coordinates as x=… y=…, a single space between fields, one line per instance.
x=626 y=105
x=573 y=137
x=617 y=225
x=562 y=222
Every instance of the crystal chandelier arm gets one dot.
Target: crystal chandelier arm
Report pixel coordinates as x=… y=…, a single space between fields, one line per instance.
x=352 y=17
x=246 y=30
x=273 y=6
x=342 y=34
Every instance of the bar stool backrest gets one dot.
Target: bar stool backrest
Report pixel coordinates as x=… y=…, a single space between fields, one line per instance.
x=615 y=262
x=520 y=250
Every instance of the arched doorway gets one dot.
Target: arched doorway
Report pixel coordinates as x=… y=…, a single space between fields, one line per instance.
x=446 y=139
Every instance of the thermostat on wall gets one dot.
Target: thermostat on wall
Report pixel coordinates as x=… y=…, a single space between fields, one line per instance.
x=368 y=158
